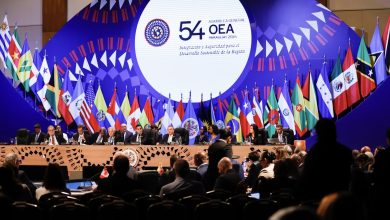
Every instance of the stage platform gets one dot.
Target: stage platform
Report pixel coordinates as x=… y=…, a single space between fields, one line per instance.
x=75 y=157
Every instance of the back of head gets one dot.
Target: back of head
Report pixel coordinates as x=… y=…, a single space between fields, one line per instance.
x=200 y=158
x=11 y=160
x=294 y=213
x=326 y=130
x=254 y=156
x=173 y=159
x=121 y=164
x=53 y=179
x=7 y=177
x=340 y=206
x=182 y=168
x=222 y=134
x=224 y=165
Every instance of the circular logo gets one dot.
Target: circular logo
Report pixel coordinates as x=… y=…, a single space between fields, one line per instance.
x=235 y=125
x=286 y=112
x=100 y=115
x=299 y=108
x=132 y=155
x=348 y=77
x=220 y=124
x=191 y=125
x=273 y=117
x=338 y=86
x=157 y=32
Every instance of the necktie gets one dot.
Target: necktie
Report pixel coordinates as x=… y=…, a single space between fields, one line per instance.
x=36 y=137
x=99 y=139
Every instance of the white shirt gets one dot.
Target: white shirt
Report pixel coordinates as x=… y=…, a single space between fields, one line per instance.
x=51 y=140
x=280 y=137
x=170 y=137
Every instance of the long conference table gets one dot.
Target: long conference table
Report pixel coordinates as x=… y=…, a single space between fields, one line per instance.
x=77 y=156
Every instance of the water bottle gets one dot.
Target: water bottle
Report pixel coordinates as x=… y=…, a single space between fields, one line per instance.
x=16 y=140
x=11 y=141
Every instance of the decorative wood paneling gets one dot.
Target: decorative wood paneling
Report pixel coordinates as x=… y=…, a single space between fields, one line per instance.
x=54 y=16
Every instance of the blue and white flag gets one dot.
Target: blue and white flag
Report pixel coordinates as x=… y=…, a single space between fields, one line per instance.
x=36 y=65
x=5 y=39
x=325 y=100
x=285 y=107
x=378 y=56
x=77 y=101
x=190 y=122
x=167 y=119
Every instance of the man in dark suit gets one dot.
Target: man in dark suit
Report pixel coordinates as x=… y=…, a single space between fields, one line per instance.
x=137 y=137
x=52 y=138
x=81 y=137
x=216 y=152
x=100 y=137
x=233 y=139
x=170 y=137
x=38 y=136
x=283 y=137
x=181 y=184
x=124 y=135
x=229 y=178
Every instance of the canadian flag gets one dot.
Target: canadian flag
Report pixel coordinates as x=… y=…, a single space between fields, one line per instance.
x=104 y=173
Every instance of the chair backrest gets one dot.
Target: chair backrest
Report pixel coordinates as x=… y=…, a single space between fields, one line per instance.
x=263 y=136
x=169 y=209
x=23 y=210
x=23 y=136
x=95 y=203
x=118 y=210
x=184 y=134
x=69 y=210
x=190 y=202
x=260 y=209
x=148 y=180
x=138 y=193
x=47 y=201
x=208 y=209
x=238 y=202
x=218 y=194
x=143 y=204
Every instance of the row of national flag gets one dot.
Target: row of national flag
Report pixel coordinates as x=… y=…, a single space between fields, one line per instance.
x=327 y=95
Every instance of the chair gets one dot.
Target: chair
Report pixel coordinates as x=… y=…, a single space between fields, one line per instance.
x=290 y=132
x=117 y=209
x=95 y=203
x=260 y=209
x=22 y=136
x=84 y=199
x=284 y=198
x=69 y=210
x=184 y=134
x=194 y=175
x=169 y=209
x=143 y=204
x=218 y=194
x=214 y=207
x=238 y=202
x=190 y=202
x=138 y=193
x=148 y=180
x=23 y=210
x=47 y=201
x=263 y=136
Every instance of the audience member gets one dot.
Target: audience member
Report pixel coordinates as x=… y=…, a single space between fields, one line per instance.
x=294 y=213
x=200 y=161
x=118 y=183
x=327 y=165
x=228 y=178
x=340 y=206
x=266 y=162
x=53 y=181
x=253 y=170
x=10 y=187
x=182 y=185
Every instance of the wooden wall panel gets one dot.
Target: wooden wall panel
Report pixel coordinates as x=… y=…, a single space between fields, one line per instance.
x=54 y=16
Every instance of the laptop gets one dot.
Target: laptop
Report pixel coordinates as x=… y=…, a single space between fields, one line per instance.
x=79 y=185
x=274 y=141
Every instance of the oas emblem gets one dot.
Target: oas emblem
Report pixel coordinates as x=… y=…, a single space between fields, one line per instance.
x=192 y=126
x=132 y=155
x=157 y=32
x=286 y=112
x=100 y=115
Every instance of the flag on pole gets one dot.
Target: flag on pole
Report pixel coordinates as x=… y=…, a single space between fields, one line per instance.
x=65 y=99
x=298 y=103
x=78 y=97
x=213 y=117
x=104 y=174
x=125 y=107
x=246 y=117
x=5 y=40
x=25 y=66
x=113 y=111
x=273 y=114
x=351 y=79
x=13 y=55
x=378 y=55
x=167 y=119
x=232 y=119
x=87 y=113
x=42 y=84
x=285 y=107
x=53 y=91
x=340 y=102
x=219 y=115
x=190 y=122
x=257 y=108
x=158 y=111
x=325 y=100
x=204 y=118
x=310 y=99
x=146 y=116
x=36 y=65
x=386 y=44
x=101 y=108
x=135 y=113
x=364 y=68
x=178 y=116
